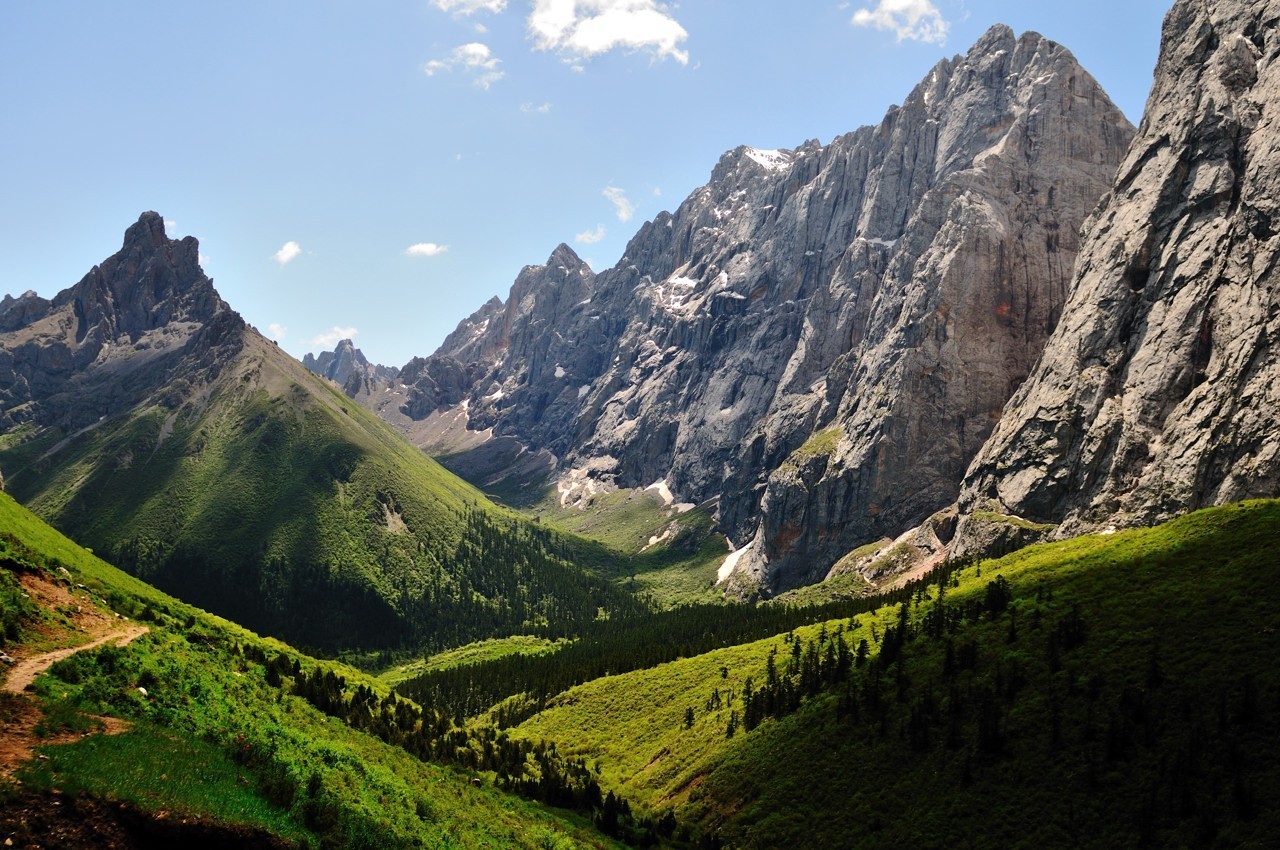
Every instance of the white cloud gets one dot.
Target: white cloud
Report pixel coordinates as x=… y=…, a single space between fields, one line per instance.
x=619 y=198
x=581 y=29
x=531 y=107
x=917 y=20
x=277 y=331
x=170 y=228
x=202 y=258
x=474 y=58
x=333 y=336
x=468 y=7
x=657 y=191
x=481 y=29
x=288 y=253
x=590 y=237
x=426 y=249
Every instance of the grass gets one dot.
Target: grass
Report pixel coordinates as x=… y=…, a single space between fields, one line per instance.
x=213 y=737
x=1194 y=598
x=472 y=653
x=819 y=444
x=646 y=547
x=156 y=770
x=843 y=586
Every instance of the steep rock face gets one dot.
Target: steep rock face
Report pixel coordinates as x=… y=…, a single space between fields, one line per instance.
x=977 y=279
x=821 y=338
x=1158 y=394
x=96 y=347
x=347 y=367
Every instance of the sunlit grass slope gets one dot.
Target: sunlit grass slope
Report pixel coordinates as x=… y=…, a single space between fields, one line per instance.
x=1109 y=691
x=668 y=555
x=217 y=735
x=267 y=496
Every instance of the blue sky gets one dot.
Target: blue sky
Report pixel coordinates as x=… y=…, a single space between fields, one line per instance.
x=380 y=169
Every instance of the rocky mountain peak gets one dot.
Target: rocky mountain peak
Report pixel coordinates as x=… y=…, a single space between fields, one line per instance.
x=141 y=310
x=152 y=281
x=347 y=367
x=1157 y=392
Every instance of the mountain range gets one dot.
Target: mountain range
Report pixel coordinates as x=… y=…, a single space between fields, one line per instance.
x=820 y=340
x=917 y=489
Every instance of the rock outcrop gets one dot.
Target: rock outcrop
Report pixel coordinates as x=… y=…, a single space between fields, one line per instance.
x=820 y=338
x=1158 y=392
x=101 y=345
x=347 y=367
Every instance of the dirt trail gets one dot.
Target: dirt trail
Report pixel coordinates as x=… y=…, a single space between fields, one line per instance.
x=24 y=672
x=18 y=714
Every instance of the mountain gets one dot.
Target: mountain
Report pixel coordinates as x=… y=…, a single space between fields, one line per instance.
x=347 y=367
x=820 y=339
x=1157 y=394
x=144 y=417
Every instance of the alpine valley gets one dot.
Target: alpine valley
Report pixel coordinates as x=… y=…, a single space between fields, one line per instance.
x=917 y=489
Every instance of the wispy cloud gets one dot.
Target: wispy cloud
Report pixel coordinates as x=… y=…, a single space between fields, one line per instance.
x=914 y=20
x=426 y=249
x=468 y=7
x=619 y=199
x=541 y=109
x=582 y=29
x=590 y=237
x=333 y=336
x=170 y=228
x=475 y=59
x=288 y=253
x=276 y=331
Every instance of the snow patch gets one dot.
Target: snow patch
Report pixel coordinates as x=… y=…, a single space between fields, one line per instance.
x=770 y=160
x=560 y=373
x=663 y=491
x=883 y=243
x=583 y=390
x=730 y=562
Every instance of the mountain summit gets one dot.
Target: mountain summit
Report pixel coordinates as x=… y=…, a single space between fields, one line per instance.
x=126 y=326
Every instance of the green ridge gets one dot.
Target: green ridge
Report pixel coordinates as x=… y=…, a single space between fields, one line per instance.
x=269 y=497
x=214 y=737
x=1159 y=729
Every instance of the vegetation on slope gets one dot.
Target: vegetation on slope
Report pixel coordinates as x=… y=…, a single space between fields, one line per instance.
x=1101 y=692
x=217 y=734
x=668 y=555
x=269 y=497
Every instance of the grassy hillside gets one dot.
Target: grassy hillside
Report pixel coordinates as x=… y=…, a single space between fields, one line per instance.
x=1102 y=692
x=267 y=496
x=669 y=555
x=228 y=730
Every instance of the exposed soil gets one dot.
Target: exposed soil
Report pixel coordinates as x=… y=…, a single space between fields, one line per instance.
x=56 y=821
